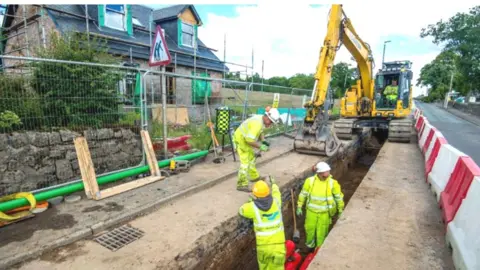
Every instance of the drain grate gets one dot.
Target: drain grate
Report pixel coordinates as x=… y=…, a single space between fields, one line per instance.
x=119 y=237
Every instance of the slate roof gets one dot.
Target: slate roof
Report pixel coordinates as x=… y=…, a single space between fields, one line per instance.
x=67 y=23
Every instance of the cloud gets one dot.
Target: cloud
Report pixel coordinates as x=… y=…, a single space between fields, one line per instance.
x=289 y=37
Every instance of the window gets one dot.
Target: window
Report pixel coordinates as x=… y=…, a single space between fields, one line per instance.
x=115 y=17
x=187 y=34
x=137 y=22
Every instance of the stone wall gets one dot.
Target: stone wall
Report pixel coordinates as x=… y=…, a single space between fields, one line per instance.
x=471 y=108
x=34 y=160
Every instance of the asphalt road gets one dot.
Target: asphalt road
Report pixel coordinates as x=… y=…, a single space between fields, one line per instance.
x=460 y=133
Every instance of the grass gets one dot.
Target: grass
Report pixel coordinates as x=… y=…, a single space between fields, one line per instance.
x=200 y=134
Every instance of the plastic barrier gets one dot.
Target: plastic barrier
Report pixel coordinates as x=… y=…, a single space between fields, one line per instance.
x=463 y=231
x=422 y=128
x=456 y=190
x=437 y=134
x=417 y=113
x=431 y=156
x=429 y=139
x=424 y=134
x=419 y=122
x=443 y=167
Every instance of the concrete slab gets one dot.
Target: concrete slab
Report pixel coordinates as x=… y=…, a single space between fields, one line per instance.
x=194 y=232
x=391 y=222
x=69 y=222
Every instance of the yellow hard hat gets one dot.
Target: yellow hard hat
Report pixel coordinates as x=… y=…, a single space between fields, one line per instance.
x=260 y=189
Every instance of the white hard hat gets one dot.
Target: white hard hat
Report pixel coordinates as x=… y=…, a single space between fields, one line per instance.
x=273 y=115
x=322 y=167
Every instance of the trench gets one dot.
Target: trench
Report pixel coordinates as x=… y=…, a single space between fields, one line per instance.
x=349 y=171
x=231 y=245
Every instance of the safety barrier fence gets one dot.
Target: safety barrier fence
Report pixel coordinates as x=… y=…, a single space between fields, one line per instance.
x=45 y=103
x=455 y=181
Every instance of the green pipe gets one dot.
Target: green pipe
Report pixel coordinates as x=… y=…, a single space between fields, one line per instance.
x=65 y=190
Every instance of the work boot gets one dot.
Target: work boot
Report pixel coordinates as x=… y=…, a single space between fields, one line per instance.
x=243 y=188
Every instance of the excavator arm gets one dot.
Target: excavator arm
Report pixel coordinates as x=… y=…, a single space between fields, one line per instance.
x=316 y=137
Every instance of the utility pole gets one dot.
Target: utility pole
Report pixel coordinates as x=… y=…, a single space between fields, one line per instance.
x=262 y=75
x=445 y=104
x=384 y=46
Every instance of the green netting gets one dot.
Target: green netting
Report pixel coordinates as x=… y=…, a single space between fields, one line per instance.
x=200 y=89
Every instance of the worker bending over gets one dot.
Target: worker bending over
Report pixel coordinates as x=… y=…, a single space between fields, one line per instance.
x=249 y=135
x=391 y=92
x=323 y=197
x=265 y=209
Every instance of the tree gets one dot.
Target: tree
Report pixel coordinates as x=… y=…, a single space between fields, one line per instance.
x=78 y=95
x=302 y=81
x=460 y=35
x=342 y=78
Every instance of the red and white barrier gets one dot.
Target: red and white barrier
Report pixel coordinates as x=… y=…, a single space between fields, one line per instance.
x=436 y=135
x=464 y=230
x=419 y=122
x=431 y=157
x=424 y=134
x=458 y=184
x=443 y=167
x=422 y=127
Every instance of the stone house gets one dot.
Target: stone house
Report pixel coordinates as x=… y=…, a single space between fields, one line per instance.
x=128 y=30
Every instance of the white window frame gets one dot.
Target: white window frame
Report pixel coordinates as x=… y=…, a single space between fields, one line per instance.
x=185 y=33
x=124 y=18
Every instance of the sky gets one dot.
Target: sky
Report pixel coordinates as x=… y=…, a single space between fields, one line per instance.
x=288 y=37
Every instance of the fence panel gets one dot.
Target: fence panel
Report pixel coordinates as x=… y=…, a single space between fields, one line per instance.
x=45 y=104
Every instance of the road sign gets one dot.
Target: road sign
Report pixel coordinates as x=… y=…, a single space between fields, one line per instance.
x=159 y=55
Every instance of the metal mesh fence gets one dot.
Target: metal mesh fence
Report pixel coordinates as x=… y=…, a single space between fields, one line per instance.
x=45 y=104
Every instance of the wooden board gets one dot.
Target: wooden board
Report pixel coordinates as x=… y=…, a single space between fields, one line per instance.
x=88 y=172
x=177 y=116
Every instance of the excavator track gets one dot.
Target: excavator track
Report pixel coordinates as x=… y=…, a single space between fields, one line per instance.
x=344 y=128
x=400 y=130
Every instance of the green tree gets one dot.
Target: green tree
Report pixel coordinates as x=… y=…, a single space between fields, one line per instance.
x=302 y=81
x=342 y=78
x=77 y=95
x=460 y=35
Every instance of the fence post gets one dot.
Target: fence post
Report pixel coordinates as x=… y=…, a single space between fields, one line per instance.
x=164 y=112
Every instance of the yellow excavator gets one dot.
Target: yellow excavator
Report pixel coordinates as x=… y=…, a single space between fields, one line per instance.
x=384 y=103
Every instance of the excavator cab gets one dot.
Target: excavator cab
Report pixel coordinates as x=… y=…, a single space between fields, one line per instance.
x=393 y=83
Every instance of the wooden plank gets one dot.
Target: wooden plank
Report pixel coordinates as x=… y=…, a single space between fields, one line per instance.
x=151 y=158
x=175 y=115
x=87 y=169
x=128 y=186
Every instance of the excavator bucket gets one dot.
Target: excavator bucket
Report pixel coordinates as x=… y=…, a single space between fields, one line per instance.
x=324 y=142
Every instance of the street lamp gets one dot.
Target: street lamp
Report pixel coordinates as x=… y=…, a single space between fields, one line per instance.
x=384 y=46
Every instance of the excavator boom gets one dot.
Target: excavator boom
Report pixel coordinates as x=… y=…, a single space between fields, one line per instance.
x=317 y=136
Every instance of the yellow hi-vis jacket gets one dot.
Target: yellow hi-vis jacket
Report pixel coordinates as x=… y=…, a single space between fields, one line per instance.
x=391 y=92
x=321 y=196
x=250 y=129
x=267 y=225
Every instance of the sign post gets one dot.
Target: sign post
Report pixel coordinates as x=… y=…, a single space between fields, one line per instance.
x=160 y=56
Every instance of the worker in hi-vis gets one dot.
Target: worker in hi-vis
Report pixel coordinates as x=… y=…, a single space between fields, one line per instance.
x=323 y=198
x=249 y=135
x=265 y=209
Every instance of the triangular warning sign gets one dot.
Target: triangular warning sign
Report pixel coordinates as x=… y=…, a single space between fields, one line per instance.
x=159 y=55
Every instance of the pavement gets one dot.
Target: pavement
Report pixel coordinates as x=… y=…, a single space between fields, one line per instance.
x=66 y=223
x=201 y=230
x=458 y=128
x=391 y=222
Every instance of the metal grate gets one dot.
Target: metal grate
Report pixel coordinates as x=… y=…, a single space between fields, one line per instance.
x=119 y=237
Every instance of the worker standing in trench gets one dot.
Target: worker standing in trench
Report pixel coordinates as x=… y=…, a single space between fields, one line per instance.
x=324 y=198
x=246 y=138
x=265 y=209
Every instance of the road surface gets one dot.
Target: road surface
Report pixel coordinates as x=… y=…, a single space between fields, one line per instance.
x=460 y=133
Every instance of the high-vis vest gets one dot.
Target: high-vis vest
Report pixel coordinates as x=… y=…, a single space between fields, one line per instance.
x=391 y=92
x=250 y=129
x=320 y=196
x=268 y=225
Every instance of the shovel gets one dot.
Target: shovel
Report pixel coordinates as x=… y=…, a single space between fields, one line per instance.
x=296 y=233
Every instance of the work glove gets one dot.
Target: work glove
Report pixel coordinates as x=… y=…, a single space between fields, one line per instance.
x=272 y=180
x=263 y=148
x=299 y=211
x=266 y=143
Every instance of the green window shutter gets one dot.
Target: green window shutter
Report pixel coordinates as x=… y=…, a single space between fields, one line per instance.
x=195 y=32
x=101 y=15
x=129 y=20
x=179 y=32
